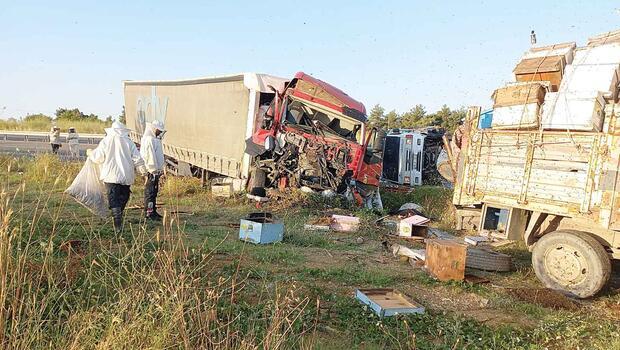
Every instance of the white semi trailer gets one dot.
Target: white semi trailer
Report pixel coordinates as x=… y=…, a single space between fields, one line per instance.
x=207 y=120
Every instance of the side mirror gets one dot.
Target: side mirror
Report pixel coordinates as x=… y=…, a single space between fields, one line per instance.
x=379 y=140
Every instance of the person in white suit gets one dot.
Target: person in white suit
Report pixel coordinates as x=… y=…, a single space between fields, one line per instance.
x=118 y=158
x=152 y=152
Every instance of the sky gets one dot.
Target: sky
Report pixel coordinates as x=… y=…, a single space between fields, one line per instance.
x=394 y=53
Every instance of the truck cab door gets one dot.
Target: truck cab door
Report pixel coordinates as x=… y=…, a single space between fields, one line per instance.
x=418 y=159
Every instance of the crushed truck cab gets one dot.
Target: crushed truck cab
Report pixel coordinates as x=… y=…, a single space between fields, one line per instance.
x=314 y=135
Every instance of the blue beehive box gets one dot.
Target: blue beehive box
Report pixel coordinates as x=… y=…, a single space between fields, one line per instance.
x=261 y=228
x=486 y=120
x=387 y=302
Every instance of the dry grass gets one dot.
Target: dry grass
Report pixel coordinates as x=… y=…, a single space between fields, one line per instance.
x=82 y=126
x=146 y=290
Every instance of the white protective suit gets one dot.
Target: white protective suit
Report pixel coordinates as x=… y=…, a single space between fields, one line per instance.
x=151 y=149
x=118 y=156
x=55 y=136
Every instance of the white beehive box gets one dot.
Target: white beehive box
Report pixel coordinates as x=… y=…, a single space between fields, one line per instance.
x=573 y=111
x=516 y=117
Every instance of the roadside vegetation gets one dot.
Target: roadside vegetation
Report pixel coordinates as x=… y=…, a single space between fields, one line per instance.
x=63 y=118
x=66 y=281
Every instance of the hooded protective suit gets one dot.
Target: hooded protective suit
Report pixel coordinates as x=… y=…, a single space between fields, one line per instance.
x=117 y=156
x=151 y=149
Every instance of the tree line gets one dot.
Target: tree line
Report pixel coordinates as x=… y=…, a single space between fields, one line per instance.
x=66 y=114
x=416 y=117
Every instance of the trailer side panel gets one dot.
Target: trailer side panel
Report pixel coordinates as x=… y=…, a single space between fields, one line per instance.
x=206 y=121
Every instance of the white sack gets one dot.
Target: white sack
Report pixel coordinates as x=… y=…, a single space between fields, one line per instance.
x=88 y=190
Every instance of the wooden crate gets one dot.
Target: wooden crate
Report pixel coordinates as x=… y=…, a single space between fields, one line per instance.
x=519 y=94
x=550 y=68
x=445 y=259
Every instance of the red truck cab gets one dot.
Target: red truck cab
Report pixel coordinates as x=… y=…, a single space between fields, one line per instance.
x=315 y=135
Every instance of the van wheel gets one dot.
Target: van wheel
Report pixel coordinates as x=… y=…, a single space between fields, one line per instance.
x=572 y=262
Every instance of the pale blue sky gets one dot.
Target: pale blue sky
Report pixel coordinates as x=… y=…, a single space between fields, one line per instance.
x=396 y=53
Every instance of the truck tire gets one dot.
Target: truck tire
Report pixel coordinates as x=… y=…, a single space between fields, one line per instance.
x=571 y=262
x=487 y=260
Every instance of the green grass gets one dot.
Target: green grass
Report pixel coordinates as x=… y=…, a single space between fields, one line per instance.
x=191 y=283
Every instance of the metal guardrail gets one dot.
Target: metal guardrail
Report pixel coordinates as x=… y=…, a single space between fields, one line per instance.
x=25 y=137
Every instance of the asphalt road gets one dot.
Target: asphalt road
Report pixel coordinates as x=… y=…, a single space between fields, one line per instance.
x=33 y=143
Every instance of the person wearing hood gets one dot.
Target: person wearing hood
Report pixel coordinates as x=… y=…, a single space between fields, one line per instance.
x=153 y=154
x=73 y=139
x=118 y=158
x=55 y=139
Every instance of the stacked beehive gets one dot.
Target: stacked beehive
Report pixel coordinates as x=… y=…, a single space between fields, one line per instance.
x=561 y=87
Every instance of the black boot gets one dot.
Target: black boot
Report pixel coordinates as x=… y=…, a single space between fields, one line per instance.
x=117 y=216
x=151 y=212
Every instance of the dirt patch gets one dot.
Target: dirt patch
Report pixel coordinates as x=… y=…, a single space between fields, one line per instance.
x=544 y=297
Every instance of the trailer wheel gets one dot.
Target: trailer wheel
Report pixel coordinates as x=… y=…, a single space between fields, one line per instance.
x=572 y=262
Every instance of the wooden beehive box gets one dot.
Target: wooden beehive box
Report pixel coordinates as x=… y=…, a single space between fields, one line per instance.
x=549 y=68
x=445 y=259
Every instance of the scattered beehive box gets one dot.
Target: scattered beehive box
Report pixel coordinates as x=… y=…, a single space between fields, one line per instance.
x=548 y=68
x=222 y=190
x=413 y=226
x=261 y=228
x=387 y=302
x=445 y=259
x=344 y=223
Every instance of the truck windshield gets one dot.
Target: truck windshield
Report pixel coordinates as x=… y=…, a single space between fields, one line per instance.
x=304 y=115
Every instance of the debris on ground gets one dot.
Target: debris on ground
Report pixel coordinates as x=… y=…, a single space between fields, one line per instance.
x=440 y=234
x=445 y=259
x=409 y=209
x=386 y=302
x=320 y=224
x=401 y=250
x=415 y=225
x=475 y=240
x=261 y=228
x=475 y=279
x=224 y=190
x=344 y=223
x=544 y=297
